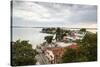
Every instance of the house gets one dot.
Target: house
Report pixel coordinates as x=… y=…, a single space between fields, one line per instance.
x=58 y=53
x=49 y=54
x=64 y=38
x=55 y=54
x=73 y=46
x=74 y=36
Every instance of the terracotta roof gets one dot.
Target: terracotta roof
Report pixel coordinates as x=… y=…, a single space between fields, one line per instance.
x=73 y=46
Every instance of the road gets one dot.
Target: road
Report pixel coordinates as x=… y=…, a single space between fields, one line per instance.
x=42 y=59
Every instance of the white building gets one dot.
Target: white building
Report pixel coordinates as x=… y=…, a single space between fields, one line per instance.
x=49 y=54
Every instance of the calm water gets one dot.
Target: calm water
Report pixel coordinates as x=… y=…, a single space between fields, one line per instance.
x=32 y=34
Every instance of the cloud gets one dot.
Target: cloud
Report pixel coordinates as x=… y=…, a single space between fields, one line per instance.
x=53 y=14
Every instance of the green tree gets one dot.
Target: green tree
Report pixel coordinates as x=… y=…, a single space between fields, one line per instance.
x=69 y=56
x=22 y=53
x=88 y=47
x=83 y=30
x=87 y=50
x=58 y=34
x=48 y=39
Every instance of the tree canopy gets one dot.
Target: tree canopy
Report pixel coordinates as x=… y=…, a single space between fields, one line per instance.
x=22 y=53
x=83 y=29
x=48 y=39
x=87 y=50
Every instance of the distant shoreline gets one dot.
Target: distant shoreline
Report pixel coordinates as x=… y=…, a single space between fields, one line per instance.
x=47 y=27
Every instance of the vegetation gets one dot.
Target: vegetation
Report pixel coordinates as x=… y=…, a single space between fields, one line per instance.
x=89 y=46
x=49 y=30
x=69 y=56
x=58 y=34
x=58 y=31
x=83 y=30
x=22 y=53
x=48 y=39
x=87 y=50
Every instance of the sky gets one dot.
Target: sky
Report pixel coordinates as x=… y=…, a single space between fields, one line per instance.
x=45 y=14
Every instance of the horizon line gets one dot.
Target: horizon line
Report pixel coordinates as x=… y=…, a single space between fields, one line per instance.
x=49 y=27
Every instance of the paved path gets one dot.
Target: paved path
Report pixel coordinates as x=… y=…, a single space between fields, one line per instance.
x=42 y=59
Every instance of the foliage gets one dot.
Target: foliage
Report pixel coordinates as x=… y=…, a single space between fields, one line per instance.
x=69 y=56
x=48 y=39
x=87 y=50
x=48 y=30
x=89 y=46
x=22 y=53
x=58 y=31
x=58 y=34
x=83 y=30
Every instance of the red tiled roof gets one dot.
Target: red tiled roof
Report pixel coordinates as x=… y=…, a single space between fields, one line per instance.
x=73 y=46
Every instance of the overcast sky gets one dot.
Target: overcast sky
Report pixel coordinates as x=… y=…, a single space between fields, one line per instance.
x=43 y=14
